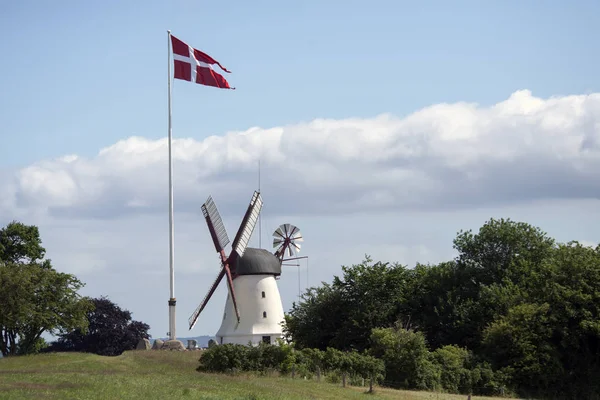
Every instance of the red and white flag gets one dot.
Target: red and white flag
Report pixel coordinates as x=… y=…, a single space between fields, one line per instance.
x=195 y=66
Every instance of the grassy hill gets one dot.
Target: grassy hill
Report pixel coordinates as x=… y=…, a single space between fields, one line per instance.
x=160 y=375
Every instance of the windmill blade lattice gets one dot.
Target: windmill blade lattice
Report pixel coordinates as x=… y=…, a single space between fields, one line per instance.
x=194 y=317
x=215 y=224
x=286 y=239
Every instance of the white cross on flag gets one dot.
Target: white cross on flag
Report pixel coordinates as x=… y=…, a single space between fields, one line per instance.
x=195 y=66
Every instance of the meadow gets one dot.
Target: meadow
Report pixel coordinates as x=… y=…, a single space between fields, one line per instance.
x=163 y=375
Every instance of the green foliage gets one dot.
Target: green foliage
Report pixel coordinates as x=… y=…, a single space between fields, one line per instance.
x=36 y=299
x=225 y=358
x=110 y=331
x=284 y=358
x=494 y=253
x=20 y=244
x=552 y=345
x=514 y=312
x=498 y=267
x=456 y=376
x=367 y=296
x=521 y=340
x=406 y=357
x=322 y=307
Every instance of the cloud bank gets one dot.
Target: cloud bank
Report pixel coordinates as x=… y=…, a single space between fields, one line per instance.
x=412 y=181
x=441 y=157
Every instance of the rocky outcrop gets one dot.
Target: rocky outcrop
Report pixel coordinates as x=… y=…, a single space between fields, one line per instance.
x=143 y=344
x=158 y=344
x=173 y=345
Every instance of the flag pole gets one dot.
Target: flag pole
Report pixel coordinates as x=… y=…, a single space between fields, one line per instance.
x=172 y=300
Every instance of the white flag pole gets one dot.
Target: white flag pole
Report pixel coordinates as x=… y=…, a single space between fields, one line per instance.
x=172 y=300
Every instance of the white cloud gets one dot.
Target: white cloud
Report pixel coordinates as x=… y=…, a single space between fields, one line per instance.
x=396 y=188
x=446 y=155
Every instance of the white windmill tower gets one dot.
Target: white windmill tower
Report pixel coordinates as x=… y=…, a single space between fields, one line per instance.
x=253 y=309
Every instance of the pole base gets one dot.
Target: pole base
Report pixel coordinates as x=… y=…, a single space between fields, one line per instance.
x=172 y=303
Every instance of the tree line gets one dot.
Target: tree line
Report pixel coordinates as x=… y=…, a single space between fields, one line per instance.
x=515 y=312
x=36 y=299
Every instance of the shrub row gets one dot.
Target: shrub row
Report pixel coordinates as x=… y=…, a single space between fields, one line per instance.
x=398 y=358
x=410 y=365
x=285 y=359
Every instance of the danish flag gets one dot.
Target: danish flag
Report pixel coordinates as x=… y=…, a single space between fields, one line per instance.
x=193 y=65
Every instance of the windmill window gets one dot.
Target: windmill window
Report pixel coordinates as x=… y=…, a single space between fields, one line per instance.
x=263 y=295
x=264 y=314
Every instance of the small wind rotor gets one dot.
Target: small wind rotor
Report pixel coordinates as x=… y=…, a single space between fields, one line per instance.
x=286 y=239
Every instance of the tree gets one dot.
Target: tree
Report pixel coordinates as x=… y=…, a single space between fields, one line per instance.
x=35 y=298
x=439 y=302
x=20 y=244
x=456 y=374
x=407 y=360
x=573 y=293
x=372 y=294
x=367 y=296
x=520 y=344
x=320 y=306
x=502 y=265
x=514 y=313
x=110 y=331
x=495 y=253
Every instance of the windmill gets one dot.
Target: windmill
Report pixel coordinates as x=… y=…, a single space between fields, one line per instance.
x=253 y=309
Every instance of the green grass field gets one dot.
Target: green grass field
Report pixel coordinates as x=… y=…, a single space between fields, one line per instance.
x=161 y=375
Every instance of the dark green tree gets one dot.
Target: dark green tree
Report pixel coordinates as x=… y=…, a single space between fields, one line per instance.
x=34 y=298
x=110 y=331
x=514 y=313
x=550 y=347
x=502 y=265
x=408 y=363
x=320 y=307
x=573 y=294
x=368 y=295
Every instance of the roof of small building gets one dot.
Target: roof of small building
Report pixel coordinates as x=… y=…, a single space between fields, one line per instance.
x=257 y=262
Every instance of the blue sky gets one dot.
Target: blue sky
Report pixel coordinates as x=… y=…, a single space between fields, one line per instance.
x=77 y=76
x=384 y=127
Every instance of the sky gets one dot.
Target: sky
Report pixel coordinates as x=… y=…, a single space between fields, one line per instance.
x=382 y=127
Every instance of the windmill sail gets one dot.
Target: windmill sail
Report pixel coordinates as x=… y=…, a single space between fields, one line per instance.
x=232 y=291
x=248 y=223
x=220 y=240
x=215 y=224
x=201 y=306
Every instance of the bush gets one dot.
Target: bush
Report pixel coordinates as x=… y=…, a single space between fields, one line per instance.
x=407 y=360
x=455 y=376
x=487 y=382
x=284 y=358
x=110 y=332
x=225 y=358
x=410 y=365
